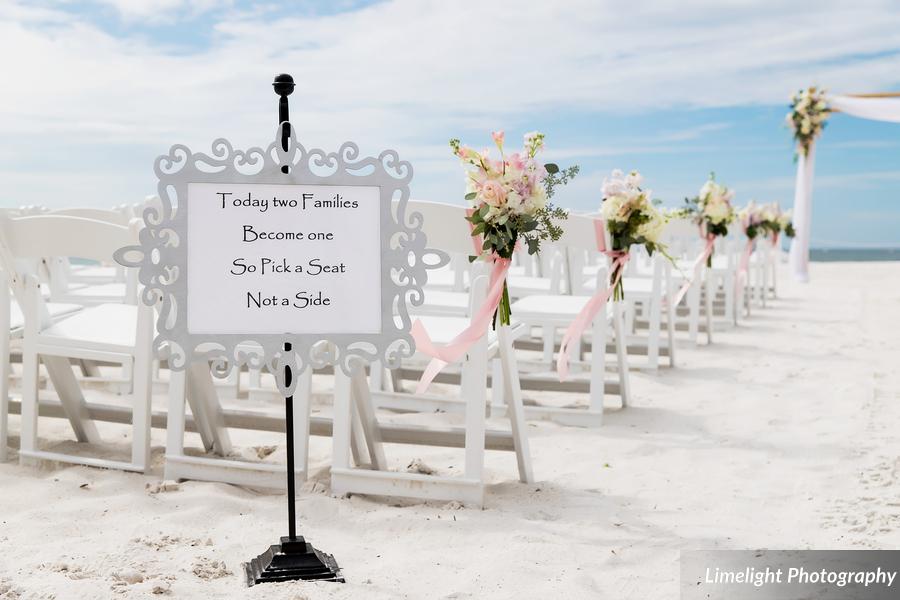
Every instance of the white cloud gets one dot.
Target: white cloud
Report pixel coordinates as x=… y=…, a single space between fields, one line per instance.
x=404 y=72
x=161 y=10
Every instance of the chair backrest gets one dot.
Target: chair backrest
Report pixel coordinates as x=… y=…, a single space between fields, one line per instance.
x=682 y=237
x=44 y=236
x=118 y=217
x=580 y=232
x=445 y=226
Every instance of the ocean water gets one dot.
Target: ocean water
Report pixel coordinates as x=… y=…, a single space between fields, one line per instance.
x=853 y=254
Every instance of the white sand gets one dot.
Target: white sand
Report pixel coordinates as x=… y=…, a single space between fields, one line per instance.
x=780 y=435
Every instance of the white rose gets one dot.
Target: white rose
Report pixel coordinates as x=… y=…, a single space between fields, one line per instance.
x=612 y=207
x=652 y=230
x=515 y=202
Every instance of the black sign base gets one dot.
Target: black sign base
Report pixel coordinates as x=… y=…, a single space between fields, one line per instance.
x=291 y=560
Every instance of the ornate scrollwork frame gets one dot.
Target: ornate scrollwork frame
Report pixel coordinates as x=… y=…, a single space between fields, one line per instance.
x=161 y=257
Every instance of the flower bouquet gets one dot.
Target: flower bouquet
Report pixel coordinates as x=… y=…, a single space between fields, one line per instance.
x=712 y=211
x=772 y=221
x=510 y=199
x=752 y=220
x=786 y=223
x=631 y=218
x=809 y=111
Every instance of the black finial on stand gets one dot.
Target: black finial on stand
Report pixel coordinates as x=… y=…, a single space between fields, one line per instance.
x=294 y=558
x=284 y=87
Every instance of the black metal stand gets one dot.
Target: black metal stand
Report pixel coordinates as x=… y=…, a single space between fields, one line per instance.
x=293 y=558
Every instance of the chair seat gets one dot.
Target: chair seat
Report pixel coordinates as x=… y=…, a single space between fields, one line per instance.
x=541 y=309
x=57 y=310
x=93 y=273
x=520 y=285
x=443 y=302
x=107 y=292
x=635 y=287
x=444 y=278
x=111 y=327
x=442 y=329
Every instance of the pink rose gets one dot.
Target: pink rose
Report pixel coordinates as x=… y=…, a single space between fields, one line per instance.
x=493 y=193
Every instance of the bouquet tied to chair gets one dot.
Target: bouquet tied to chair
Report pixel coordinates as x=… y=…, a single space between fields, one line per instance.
x=510 y=205
x=631 y=218
x=712 y=211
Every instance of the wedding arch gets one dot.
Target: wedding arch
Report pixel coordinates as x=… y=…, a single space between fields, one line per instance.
x=878 y=107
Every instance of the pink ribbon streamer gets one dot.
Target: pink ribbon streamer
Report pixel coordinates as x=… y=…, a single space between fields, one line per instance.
x=592 y=307
x=695 y=269
x=478 y=326
x=743 y=266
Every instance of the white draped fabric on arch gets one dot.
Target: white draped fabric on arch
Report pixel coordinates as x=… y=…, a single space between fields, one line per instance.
x=877 y=107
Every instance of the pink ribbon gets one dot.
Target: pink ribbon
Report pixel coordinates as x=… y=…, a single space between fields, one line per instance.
x=592 y=307
x=698 y=263
x=478 y=326
x=744 y=266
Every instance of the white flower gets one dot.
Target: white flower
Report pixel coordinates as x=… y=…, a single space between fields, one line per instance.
x=652 y=230
x=717 y=211
x=616 y=186
x=612 y=207
x=634 y=179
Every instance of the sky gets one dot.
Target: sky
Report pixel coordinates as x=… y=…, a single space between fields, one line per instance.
x=92 y=92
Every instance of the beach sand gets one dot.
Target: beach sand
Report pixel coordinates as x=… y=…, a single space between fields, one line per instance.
x=782 y=434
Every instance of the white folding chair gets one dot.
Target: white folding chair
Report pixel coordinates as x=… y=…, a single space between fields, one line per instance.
x=355 y=400
x=114 y=333
x=552 y=313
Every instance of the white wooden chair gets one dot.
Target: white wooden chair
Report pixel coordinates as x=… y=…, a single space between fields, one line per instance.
x=110 y=333
x=552 y=313
x=355 y=400
x=685 y=246
x=648 y=287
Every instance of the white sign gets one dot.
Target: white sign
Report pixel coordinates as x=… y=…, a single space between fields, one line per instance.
x=276 y=259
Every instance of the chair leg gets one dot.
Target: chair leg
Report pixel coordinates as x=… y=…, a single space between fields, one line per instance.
x=548 y=333
x=175 y=418
x=28 y=435
x=670 y=329
x=142 y=389
x=621 y=355
x=473 y=387
x=66 y=386
x=368 y=421
x=710 y=289
x=497 y=388
x=598 y=361
x=4 y=381
x=302 y=401
x=515 y=406
x=205 y=401
x=653 y=341
x=341 y=428
x=694 y=312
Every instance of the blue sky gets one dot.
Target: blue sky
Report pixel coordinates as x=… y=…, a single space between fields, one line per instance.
x=98 y=89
